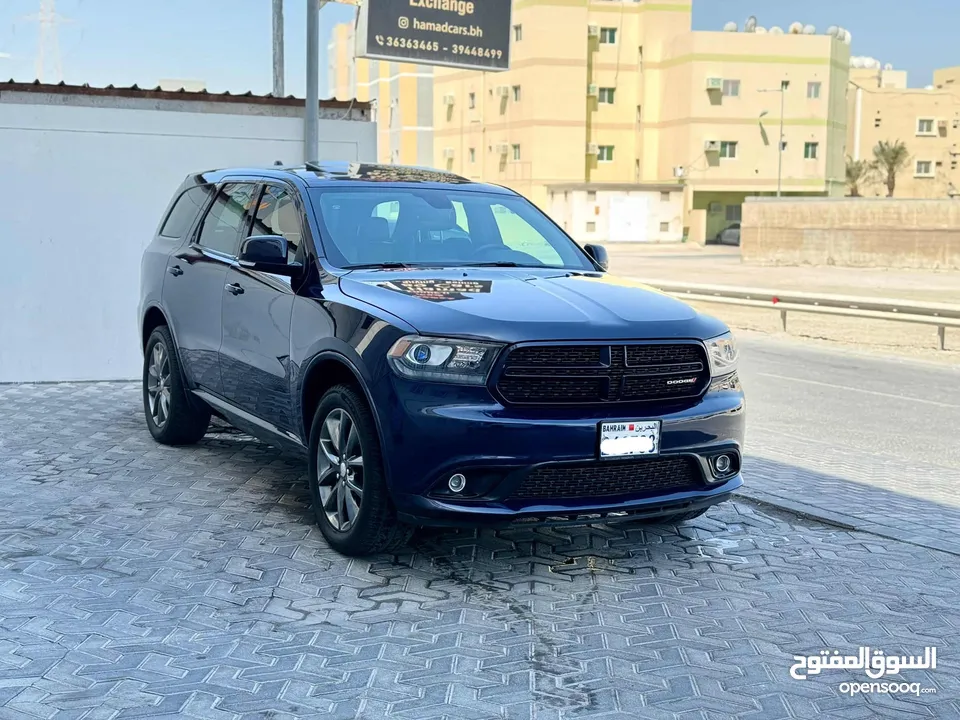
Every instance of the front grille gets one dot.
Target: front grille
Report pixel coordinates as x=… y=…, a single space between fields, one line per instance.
x=636 y=478
x=584 y=374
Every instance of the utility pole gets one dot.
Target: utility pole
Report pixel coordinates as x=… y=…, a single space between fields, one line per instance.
x=278 y=48
x=783 y=95
x=311 y=118
x=49 y=48
x=784 y=84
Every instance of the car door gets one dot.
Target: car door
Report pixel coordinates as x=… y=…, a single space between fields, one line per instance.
x=257 y=308
x=193 y=291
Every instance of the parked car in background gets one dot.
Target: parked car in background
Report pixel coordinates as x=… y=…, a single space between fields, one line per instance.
x=439 y=350
x=729 y=235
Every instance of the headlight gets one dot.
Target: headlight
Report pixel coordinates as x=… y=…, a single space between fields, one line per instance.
x=723 y=355
x=448 y=360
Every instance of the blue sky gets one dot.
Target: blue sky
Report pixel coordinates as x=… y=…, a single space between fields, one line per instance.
x=227 y=42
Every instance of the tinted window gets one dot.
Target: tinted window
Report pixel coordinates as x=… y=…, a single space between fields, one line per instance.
x=277 y=215
x=222 y=225
x=188 y=205
x=440 y=227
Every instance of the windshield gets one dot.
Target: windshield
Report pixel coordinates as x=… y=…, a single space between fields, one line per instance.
x=413 y=227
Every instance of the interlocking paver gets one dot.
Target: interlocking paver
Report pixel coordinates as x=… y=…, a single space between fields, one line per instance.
x=140 y=581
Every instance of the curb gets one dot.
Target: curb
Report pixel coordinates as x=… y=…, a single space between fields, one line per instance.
x=840 y=520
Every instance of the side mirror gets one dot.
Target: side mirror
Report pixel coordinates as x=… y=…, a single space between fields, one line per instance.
x=598 y=253
x=267 y=253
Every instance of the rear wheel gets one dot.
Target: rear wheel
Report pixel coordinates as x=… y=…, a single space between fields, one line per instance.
x=347 y=486
x=171 y=417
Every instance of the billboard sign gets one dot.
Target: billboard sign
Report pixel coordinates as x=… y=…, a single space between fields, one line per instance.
x=470 y=34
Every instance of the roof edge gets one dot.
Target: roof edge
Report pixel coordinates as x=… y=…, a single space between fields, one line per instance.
x=177 y=95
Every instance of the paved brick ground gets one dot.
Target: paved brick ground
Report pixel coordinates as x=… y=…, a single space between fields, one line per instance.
x=142 y=581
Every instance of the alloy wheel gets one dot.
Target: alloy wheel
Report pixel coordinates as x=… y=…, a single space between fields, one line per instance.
x=340 y=469
x=158 y=385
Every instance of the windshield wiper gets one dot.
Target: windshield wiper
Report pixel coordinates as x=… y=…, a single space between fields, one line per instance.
x=381 y=265
x=499 y=263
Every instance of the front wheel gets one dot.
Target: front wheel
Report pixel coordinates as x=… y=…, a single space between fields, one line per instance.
x=347 y=485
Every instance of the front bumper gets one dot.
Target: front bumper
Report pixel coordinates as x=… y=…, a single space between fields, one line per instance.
x=431 y=431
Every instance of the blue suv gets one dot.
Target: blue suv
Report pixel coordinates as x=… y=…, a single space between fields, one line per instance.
x=439 y=349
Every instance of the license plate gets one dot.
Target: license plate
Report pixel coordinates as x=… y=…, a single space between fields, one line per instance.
x=631 y=438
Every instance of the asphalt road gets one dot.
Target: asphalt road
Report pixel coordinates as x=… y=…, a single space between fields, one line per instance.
x=880 y=433
x=903 y=409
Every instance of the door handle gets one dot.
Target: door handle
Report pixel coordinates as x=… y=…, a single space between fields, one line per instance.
x=175 y=271
x=234 y=289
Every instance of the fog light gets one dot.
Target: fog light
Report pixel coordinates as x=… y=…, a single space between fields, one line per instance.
x=457 y=483
x=723 y=464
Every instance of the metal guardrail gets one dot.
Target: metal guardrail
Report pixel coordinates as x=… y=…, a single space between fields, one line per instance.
x=939 y=315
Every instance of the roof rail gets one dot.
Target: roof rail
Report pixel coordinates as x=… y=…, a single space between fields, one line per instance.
x=313 y=165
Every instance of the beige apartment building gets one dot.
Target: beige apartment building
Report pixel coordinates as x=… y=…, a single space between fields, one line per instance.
x=402 y=94
x=622 y=97
x=927 y=120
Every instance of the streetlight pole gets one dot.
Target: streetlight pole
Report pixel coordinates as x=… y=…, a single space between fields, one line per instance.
x=311 y=118
x=278 y=48
x=784 y=84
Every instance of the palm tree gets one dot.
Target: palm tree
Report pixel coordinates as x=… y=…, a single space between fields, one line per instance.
x=859 y=172
x=889 y=160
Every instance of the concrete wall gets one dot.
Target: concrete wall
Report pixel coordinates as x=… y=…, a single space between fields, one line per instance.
x=854 y=232
x=82 y=188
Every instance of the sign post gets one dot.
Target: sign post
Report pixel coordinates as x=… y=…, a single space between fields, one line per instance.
x=469 y=34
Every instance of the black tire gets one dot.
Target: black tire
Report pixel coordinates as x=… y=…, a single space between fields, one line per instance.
x=375 y=527
x=184 y=421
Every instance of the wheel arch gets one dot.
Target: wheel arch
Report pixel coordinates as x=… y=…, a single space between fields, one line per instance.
x=154 y=317
x=326 y=370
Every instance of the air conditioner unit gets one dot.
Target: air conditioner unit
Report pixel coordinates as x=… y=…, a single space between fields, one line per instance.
x=593 y=31
x=503 y=91
x=714 y=83
x=448 y=153
x=714 y=207
x=711 y=146
x=942 y=124
x=502 y=148
x=593 y=149
x=448 y=99
x=592 y=90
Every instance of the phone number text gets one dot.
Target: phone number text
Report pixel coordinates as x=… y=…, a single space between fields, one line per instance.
x=409 y=43
x=476 y=51
x=434 y=46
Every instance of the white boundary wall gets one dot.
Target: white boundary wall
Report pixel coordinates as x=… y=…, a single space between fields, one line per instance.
x=83 y=182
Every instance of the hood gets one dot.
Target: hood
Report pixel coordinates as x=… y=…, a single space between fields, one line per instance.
x=523 y=304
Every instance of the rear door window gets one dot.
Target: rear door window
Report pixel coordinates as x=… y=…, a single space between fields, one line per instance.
x=229 y=214
x=187 y=207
